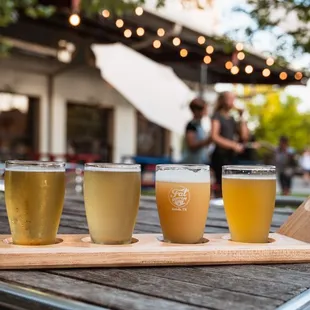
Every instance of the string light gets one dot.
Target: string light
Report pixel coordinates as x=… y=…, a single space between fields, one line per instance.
x=239 y=46
x=140 y=31
x=74 y=20
x=266 y=72
x=228 y=65
x=105 y=13
x=240 y=55
x=234 y=70
x=248 y=69
x=119 y=23
x=161 y=32
x=139 y=11
x=207 y=59
x=269 y=61
x=201 y=40
x=283 y=75
x=127 y=33
x=298 y=76
x=176 y=41
x=209 y=49
x=157 y=44
x=183 y=52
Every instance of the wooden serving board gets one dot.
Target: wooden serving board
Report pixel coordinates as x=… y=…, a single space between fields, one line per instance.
x=76 y=251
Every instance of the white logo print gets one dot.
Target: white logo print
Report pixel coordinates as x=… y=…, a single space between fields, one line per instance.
x=179 y=197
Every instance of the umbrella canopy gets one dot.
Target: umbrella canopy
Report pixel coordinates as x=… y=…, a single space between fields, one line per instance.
x=154 y=89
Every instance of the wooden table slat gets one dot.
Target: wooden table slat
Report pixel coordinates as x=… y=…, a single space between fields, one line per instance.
x=213 y=287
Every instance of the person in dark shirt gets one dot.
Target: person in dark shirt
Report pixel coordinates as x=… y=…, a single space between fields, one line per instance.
x=249 y=155
x=196 y=140
x=226 y=133
x=285 y=163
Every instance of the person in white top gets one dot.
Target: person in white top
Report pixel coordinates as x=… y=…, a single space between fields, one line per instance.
x=305 y=165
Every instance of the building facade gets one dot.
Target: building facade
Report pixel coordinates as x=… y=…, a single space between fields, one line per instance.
x=73 y=111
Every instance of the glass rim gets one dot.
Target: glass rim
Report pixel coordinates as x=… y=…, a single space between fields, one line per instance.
x=34 y=166
x=38 y=163
x=182 y=167
x=249 y=169
x=117 y=167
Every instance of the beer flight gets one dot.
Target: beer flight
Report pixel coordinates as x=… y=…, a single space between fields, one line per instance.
x=35 y=191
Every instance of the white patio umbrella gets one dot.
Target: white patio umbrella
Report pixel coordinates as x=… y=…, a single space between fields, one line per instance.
x=154 y=89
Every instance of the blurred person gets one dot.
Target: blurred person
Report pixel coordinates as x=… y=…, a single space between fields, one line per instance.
x=305 y=165
x=228 y=136
x=285 y=163
x=249 y=156
x=196 y=138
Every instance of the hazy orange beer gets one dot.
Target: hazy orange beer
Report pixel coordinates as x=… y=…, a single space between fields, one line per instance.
x=34 y=196
x=183 y=196
x=112 y=196
x=249 y=198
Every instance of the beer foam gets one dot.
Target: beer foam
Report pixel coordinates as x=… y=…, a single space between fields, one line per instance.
x=34 y=169
x=108 y=169
x=183 y=176
x=250 y=176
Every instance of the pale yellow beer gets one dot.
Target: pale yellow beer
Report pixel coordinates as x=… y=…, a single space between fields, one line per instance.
x=112 y=196
x=34 y=197
x=183 y=196
x=249 y=201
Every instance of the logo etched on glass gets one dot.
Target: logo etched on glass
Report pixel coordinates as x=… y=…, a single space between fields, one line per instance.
x=179 y=197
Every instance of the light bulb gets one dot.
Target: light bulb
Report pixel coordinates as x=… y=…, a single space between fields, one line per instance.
x=234 y=70
x=157 y=44
x=239 y=46
x=140 y=31
x=240 y=55
x=74 y=19
x=228 y=65
x=119 y=23
x=266 y=72
x=209 y=49
x=105 y=13
x=207 y=59
x=161 y=32
x=283 y=75
x=183 y=52
x=298 y=76
x=139 y=11
x=127 y=33
x=176 y=41
x=248 y=69
x=269 y=61
x=201 y=40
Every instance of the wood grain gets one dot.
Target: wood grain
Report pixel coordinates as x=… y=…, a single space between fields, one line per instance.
x=77 y=251
x=234 y=287
x=297 y=226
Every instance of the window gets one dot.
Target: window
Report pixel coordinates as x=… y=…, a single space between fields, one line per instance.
x=89 y=131
x=153 y=140
x=19 y=124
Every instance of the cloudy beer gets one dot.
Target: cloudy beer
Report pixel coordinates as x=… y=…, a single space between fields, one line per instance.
x=249 y=199
x=34 y=196
x=183 y=195
x=112 y=196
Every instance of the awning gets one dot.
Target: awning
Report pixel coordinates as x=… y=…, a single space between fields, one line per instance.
x=153 y=89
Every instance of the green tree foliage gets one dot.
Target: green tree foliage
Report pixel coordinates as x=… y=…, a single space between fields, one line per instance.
x=293 y=14
x=278 y=115
x=11 y=9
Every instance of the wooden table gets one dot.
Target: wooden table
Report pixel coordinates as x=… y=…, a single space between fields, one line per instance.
x=214 y=287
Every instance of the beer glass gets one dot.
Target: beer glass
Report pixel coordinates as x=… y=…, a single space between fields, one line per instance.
x=183 y=196
x=249 y=198
x=34 y=197
x=112 y=196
